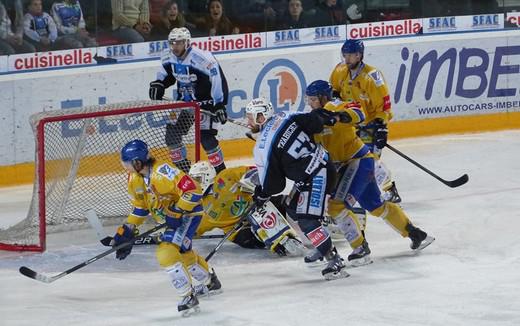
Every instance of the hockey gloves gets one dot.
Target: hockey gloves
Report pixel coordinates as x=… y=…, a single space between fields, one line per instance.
x=220 y=113
x=124 y=233
x=260 y=197
x=156 y=91
x=330 y=118
x=380 y=134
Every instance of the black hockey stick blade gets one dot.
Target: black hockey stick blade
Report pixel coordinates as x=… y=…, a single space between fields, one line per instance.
x=450 y=183
x=458 y=182
x=37 y=276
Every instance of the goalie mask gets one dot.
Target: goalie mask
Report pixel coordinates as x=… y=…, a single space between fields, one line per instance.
x=179 y=40
x=204 y=173
x=258 y=111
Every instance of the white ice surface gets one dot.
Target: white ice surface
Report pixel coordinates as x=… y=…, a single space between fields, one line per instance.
x=469 y=276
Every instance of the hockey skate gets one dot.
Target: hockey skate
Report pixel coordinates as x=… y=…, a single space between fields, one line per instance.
x=188 y=305
x=290 y=246
x=360 y=256
x=314 y=259
x=335 y=266
x=214 y=287
x=392 y=195
x=420 y=239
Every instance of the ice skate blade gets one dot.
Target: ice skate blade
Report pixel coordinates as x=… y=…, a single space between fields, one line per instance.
x=209 y=294
x=336 y=275
x=316 y=264
x=190 y=311
x=425 y=243
x=360 y=261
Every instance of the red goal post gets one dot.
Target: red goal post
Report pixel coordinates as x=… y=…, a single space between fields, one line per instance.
x=77 y=165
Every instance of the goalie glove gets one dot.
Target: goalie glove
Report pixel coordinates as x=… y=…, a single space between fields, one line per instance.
x=156 y=91
x=260 y=197
x=124 y=233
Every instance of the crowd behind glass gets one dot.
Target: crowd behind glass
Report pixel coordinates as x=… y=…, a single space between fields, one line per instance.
x=43 y=25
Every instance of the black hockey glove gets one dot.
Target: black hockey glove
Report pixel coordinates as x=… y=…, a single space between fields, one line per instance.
x=156 y=91
x=124 y=233
x=260 y=197
x=220 y=113
x=344 y=117
x=328 y=117
x=380 y=134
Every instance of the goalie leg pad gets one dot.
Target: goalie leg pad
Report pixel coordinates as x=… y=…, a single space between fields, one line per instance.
x=179 y=278
x=269 y=225
x=246 y=239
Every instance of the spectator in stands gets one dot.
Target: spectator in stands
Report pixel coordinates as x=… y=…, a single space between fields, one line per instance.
x=263 y=15
x=69 y=19
x=170 y=17
x=293 y=17
x=216 y=22
x=131 y=20
x=39 y=28
x=329 y=12
x=11 y=42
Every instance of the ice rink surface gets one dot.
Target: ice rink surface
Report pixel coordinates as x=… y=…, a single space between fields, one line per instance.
x=469 y=276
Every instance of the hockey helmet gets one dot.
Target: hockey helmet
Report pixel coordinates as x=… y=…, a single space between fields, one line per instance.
x=319 y=88
x=259 y=106
x=135 y=150
x=204 y=173
x=353 y=46
x=179 y=34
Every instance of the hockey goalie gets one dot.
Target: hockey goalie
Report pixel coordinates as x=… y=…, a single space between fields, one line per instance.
x=228 y=195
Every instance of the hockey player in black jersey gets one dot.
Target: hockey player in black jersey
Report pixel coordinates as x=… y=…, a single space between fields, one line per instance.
x=285 y=149
x=199 y=78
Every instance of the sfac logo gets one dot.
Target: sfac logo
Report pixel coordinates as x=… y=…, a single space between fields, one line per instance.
x=282 y=82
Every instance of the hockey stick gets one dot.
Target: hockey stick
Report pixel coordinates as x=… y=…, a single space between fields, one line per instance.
x=233 y=121
x=49 y=279
x=450 y=183
x=106 y=240
x=237 y=227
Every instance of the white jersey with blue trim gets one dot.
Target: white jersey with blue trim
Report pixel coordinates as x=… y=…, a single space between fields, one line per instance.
x=285 y=149
x=199 y=77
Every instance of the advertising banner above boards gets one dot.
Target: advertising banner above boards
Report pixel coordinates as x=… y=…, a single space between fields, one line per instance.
x=435 y=76
x=252 y=41
x=513 y=18
x=409 y=27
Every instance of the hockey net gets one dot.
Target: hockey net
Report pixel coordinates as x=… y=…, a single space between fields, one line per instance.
x=77 y=164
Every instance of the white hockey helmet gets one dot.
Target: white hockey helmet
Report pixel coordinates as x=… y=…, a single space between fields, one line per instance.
x=204 y=173
x=259 y=106
x=180 y=34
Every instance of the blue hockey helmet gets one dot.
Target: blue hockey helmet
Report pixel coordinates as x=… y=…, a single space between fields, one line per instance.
x=135 y=150
x=319 y=88
x=353 y=46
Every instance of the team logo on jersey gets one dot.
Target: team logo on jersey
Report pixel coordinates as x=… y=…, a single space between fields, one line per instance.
x=283 y=83
x=186 y=184
x=238 y=206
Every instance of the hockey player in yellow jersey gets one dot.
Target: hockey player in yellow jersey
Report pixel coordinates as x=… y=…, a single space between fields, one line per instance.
x=162 y=191
x=228 y=195
x=355 y=81
x=355 y=163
